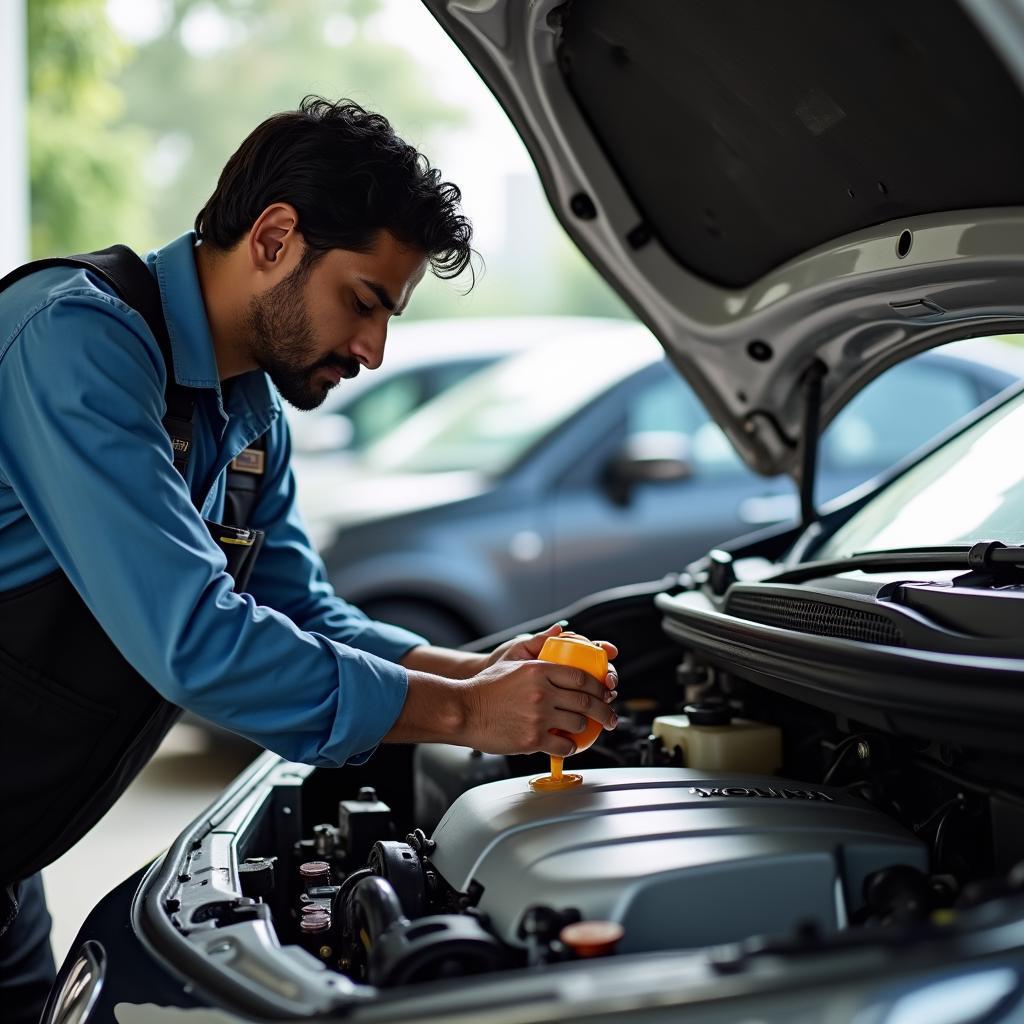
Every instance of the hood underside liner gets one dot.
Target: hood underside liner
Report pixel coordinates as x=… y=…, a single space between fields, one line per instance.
x=771 y=186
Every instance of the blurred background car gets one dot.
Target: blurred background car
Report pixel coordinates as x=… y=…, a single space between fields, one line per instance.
x=423 y=359
x=584 y=463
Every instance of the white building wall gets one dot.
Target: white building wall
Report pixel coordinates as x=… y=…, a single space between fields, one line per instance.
x=14 y=194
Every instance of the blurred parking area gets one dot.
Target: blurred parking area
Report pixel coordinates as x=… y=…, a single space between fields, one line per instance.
x=191 y=767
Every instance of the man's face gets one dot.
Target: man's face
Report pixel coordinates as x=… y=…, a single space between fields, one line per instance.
x=329 y=318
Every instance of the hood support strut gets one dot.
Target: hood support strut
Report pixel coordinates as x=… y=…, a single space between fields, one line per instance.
x=809 y=440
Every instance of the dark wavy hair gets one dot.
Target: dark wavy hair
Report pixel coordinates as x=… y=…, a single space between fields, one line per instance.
x=348 y=175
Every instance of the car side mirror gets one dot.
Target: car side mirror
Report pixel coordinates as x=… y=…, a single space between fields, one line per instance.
x=653 y=456
x=320 y=435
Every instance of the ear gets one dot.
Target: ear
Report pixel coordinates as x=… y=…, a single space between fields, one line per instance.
x=274 y=240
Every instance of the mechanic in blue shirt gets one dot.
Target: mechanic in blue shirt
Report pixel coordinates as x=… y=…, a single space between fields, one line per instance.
x=116 y=603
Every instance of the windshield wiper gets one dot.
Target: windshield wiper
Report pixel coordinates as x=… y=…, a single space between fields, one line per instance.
x=987 y=558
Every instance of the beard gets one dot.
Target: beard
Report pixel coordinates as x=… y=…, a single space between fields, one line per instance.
x=284 y=343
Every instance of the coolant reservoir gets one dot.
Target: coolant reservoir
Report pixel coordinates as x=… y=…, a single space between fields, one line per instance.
x=711 y=739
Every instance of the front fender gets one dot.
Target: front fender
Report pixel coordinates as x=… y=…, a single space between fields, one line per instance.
x=136 y=987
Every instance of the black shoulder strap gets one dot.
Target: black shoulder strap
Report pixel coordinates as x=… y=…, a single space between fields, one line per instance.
x=244 y=479
x=130 y=278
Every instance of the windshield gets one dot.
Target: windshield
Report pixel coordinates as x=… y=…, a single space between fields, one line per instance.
x=489 y=422
x=971 y=489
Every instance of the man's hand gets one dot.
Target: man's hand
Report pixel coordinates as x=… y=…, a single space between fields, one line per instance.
x=506 y=702
x=511 y=706
x=528 y=646
x=442 y=661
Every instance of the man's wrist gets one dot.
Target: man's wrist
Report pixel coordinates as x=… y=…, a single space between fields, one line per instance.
x=436 y=710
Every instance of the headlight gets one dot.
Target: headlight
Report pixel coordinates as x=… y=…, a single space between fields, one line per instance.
x=74 y=997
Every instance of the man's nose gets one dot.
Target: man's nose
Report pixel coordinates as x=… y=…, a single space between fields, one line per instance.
x=368 y=346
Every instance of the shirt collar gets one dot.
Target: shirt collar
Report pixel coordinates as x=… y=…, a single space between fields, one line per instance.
x=195 y=363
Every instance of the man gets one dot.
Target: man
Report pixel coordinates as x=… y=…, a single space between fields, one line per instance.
x=122 y=430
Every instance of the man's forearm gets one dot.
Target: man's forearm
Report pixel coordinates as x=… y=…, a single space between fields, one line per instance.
x=435 y=711
x=442 y=661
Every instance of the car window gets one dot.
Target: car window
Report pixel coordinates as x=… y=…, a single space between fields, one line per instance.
x=388 y=404
x=968 y=490
x=897 y=413
x=900 y=411
x=668 y=404
x=385 y=406
x=488 y=422
x=442 y=376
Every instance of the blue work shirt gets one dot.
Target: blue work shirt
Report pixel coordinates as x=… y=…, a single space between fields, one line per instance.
x=88 y=486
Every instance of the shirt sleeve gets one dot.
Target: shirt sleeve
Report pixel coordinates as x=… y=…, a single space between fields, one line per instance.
x=85 y=451
x=290 y=576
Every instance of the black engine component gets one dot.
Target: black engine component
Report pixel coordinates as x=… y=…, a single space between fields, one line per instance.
x=898 y=895
x=389 y=949
x=256 y=876
x=441 y=946
x=372 y=908
x=540 y=928
x=361 y=823
x=400 y=865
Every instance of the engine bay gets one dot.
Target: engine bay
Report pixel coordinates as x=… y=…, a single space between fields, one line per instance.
x=739 y=855
x=718 y=815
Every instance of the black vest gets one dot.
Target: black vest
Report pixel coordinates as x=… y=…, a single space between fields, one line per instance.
x=77 y=722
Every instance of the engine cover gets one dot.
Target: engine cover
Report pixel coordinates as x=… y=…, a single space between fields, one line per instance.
x=678 y=858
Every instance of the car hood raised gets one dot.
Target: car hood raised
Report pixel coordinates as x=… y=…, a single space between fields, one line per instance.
x=776 y=187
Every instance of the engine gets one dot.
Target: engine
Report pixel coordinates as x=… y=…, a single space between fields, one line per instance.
x=677 y=858
x=653 y=858
x=744 y=820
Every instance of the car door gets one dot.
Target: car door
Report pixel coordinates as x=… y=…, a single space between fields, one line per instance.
x=599 y=541
x=602 y=536
x=903 y=409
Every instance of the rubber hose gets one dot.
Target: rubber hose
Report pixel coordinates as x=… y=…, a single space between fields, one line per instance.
x=375 y=902
x=346 y=887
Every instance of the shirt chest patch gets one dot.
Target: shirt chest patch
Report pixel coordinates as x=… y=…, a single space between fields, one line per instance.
x=251 y=460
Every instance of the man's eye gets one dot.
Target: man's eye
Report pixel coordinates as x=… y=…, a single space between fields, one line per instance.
x=363 y=309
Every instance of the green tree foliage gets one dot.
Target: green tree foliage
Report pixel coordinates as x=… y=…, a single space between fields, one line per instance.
x=229 y=64
x=126 y=143
x=84 y=164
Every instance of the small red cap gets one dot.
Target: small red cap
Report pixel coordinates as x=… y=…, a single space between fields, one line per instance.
x=315 y=922
x=592 y=938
